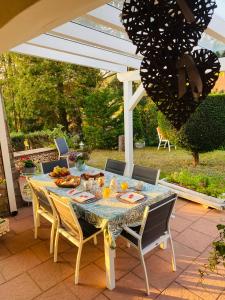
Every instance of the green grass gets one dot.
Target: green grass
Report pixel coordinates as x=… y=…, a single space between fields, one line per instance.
x=211 y=164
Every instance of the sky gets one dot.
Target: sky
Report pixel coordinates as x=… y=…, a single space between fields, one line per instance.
x=221 y=8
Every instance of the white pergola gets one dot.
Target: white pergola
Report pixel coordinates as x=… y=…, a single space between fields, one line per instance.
x=50 y=29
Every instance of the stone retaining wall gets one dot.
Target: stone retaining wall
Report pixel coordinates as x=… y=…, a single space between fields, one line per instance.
x=37 y=155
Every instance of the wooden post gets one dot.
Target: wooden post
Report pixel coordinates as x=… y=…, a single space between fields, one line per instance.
x=7 y=159
x=128 y=127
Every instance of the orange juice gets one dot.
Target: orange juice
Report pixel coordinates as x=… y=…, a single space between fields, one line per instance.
x=106 y=192
x=124 y=186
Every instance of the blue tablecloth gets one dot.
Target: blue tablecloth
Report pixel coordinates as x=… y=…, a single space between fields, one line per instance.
x=110 y=213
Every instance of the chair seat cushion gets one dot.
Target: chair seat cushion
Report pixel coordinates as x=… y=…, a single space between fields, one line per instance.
x=87 y=228
x=129 y=236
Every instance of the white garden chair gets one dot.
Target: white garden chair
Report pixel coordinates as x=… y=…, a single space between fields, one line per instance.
x=163 y=142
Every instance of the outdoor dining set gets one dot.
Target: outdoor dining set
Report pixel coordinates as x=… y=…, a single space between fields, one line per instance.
x=81 y=205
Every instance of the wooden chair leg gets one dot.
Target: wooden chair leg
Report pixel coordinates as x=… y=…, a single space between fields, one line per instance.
x=56 y=245
x=95 y=240
x=52 y=238
x=77 y=270
x=36 y=224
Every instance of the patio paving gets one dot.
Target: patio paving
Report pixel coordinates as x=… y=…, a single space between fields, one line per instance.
x=27 y=270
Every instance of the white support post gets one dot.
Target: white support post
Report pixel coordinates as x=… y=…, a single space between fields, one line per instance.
x=128 y=127
x=6 y=158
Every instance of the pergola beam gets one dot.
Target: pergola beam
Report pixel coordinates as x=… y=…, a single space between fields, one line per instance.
x=67 y=57
x=90 y=51
x=137 y=96
x=95 y=37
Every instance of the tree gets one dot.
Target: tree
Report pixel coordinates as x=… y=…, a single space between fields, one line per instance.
x=103 y=114
x=205 y=130
x=40 y=93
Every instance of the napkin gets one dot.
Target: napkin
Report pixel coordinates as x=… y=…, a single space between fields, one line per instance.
x=72 y=192
x=82 y=197
x=131 y=197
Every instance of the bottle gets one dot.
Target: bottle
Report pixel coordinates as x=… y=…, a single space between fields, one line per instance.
x=113 y=185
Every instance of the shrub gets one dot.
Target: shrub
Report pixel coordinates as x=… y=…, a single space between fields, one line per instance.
x=209 y=185
x=205 y=130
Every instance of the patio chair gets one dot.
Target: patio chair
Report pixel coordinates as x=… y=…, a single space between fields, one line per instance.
x=163 y=142
x=153 y=231
x=42 y=207
x=77 y=231
x=115 y=166
x=145 y=174
x=48 y=167
x=62 y=147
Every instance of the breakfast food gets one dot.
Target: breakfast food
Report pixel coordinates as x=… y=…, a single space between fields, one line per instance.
x=87 y=176
x=59 y=172
x=68 y=181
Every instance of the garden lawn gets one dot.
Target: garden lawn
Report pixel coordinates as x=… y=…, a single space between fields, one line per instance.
x=212 y=164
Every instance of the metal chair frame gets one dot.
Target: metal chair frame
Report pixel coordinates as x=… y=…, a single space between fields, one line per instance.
x=161 y=241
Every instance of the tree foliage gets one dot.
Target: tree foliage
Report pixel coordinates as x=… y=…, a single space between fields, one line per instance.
x=39 y=93
x=204 y=131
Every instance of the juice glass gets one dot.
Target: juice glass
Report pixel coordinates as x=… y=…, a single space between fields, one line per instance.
x=106 y=192
x=124 y=186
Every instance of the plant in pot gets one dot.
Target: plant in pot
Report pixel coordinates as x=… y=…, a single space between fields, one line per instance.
x=139 y=143
x=79 y=159
x=27 y=165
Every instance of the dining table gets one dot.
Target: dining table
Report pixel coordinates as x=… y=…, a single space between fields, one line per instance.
x=111 y=214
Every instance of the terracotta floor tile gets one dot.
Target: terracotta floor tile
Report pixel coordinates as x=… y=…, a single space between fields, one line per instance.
x=41 y=250
x=176 y=291
x=180 y=203
x=89 y=254
x=194 y=239
x=101 y=297
x=19 y=288
x=49 y=273
x=124 y=263
x=216 y=216
x=4 y=252
x=179 y=224
x=131 y=287
x=191 y=211
x=21 y=241
x=205 y=226
x=18 y=263
x=19 y=226
x=91 y=282
x=2 y=279
x=160 y=272
x=58 y=292
x=184 y=255
x=209 y=289
x=24 y=212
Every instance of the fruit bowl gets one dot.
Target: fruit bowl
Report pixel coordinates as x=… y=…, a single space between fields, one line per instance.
x=69 y=181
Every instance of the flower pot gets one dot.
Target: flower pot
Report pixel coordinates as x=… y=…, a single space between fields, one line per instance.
x=29 y=170
x=139 y=145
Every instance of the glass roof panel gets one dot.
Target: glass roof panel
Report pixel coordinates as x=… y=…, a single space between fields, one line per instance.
x=100 y=27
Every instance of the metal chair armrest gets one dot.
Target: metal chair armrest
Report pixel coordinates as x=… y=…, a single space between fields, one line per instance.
x=132 y=232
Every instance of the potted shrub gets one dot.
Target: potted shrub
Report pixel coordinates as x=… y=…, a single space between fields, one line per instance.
x=139 y=143
x=27 y=166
